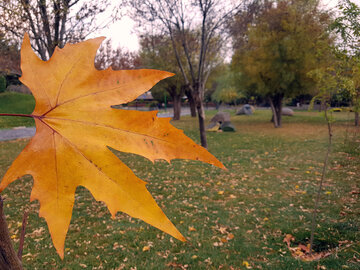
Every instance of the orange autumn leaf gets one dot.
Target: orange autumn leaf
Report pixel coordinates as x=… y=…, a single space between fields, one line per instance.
x=76 y=125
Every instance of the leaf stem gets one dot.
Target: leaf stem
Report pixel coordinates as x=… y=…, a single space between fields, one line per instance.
x=19 y=115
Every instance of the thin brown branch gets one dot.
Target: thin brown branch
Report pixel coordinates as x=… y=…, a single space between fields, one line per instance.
x=22 y=235
x=318 y=195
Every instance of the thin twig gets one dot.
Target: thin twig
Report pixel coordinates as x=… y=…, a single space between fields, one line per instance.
x=318 y=195
x=22 y=234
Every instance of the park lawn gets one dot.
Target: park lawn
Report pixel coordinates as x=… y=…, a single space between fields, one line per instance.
x=232 y=219
x=16 y=103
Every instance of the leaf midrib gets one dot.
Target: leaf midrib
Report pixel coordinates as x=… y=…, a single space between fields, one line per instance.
x=93 y=93
x=105 y=126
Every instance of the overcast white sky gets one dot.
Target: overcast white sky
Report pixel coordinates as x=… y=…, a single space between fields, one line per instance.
x=122 y=33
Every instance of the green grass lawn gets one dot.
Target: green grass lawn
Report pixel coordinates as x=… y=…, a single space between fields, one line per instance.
x=230 y=218
x=11 y=102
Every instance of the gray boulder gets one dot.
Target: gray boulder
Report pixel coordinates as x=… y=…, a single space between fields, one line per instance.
x=245 y=110
x=227 y=127
x=287 y=111
x=220 y=122
x=221 y=117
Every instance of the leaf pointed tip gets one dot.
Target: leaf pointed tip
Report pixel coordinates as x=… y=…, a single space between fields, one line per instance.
x=169 y=74
x=100 y=39
x=26 y=42
x=177 y=235
x=60 y=252
x=26 y=37
x=221 y=166
x=162 y=74
x=182 y=238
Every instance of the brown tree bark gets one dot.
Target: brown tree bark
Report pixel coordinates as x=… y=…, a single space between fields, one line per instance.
x=276 y=107
x=201 y=118
x=177 y=106
x=8 y=258
x=192 y=103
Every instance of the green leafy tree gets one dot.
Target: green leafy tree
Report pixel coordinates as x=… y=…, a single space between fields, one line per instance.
x=282 y=47
x=355 y=91
x=226 y=95
x=225 y=90
x=347 y=26
x=156 y=52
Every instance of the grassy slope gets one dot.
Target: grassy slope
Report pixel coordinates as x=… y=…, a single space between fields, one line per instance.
x=11 y=102
x=266 y=193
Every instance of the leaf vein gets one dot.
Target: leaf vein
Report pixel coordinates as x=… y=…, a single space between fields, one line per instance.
x=110 y=127
x=126 y=85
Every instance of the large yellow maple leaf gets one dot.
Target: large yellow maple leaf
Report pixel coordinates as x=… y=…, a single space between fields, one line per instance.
x=75 y=126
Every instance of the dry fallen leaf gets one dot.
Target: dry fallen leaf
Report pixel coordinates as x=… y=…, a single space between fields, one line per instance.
x=222 y=230
x=230 y=236
x=288 y=238
x=302 y=252
x=246 y=264
x=192 y=229
x=75 y=126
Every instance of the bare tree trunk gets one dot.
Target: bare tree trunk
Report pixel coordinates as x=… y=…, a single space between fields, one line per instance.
x=191 y=103
x=276 y=107
x=201 y=117
x=177 y=107
x=8 y=257
x=356 y=119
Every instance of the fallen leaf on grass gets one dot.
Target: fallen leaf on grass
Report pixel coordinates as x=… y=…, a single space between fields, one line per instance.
x=218 y=244
x=177 y=265
x=192 y=229
x=288 y=238
x=246 y=264
x=230 y=236
x=302 y=252
x=222 y=230
x=223 y=240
